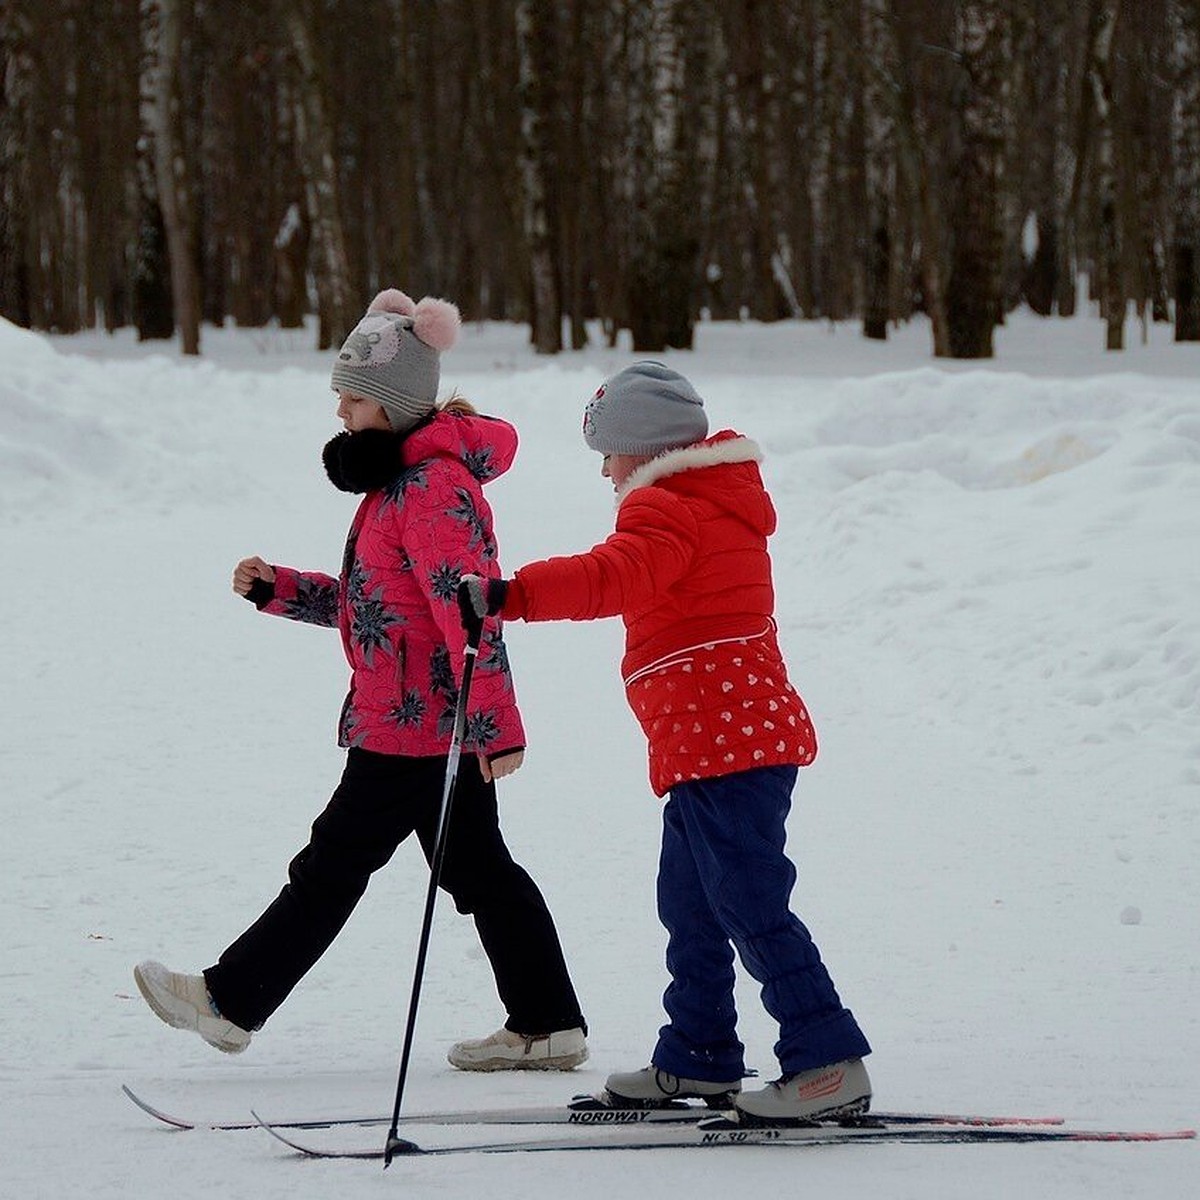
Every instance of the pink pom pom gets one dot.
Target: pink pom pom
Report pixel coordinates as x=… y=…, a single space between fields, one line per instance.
x=393 y=300
x=436 y=323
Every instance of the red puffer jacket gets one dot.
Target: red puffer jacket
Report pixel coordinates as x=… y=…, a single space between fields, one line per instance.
x=395 y=600
x=687 y=570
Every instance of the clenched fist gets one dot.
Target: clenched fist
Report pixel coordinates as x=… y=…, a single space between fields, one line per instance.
x=250 y=569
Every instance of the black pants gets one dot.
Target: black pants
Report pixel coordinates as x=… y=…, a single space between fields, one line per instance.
x=381 y=799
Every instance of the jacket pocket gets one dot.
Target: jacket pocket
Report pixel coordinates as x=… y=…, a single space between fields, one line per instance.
x=401 y=662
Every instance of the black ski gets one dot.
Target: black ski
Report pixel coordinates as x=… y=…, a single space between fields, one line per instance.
x=721 y=1132
x=582 y=1110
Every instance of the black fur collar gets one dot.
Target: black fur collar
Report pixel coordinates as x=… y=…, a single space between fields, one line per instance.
x=363 y=461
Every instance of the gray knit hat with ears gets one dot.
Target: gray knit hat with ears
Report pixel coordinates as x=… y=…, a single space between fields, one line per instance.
x=392 y=355
x=645 y=409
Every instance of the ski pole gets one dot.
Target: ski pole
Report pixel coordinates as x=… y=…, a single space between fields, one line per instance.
x=394 y=1143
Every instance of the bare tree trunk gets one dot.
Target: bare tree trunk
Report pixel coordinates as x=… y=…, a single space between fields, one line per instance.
x=163 y=33
x=72 y=304
x=919 y=160
x=109 y=166
x=613 y=178
x=1077 y=137
x=396 y=167
x=973 y=304
x=1040 y=283
x=796 y=145
x=291 y=261
x=824 y=157
x=535 y=33
x=338 y=307
x=1186 y=122
x=46 y=228
x=841 y=152
x=153 y=303
x=1143 y=153
x=576 y=212
x=749 y=24
x=878 y=173
x=14 y=272
x=1099 y=81
x=664 y=267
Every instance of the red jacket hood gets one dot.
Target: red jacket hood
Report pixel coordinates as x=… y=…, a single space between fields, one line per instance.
x=487 y=445
x=690 y=471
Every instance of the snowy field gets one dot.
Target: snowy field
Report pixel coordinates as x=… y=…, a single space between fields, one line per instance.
x=989 y=594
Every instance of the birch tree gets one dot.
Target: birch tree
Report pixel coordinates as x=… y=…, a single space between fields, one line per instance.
x=1099 y=92
x=749 y=27
x=535 y=30
x=663 y=267
x=338 y=306
x=1045 y=49
x=663 y=159
x=163 y=32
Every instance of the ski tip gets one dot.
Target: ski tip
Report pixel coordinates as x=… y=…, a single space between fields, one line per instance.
x=269 y=1128
x=314 y=1152
x=1126 y=1135
x=156 y=1113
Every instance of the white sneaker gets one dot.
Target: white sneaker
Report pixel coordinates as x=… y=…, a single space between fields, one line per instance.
x=508 y=1051
x=184 y=1003
x=822 y=1094
x=652 y=1088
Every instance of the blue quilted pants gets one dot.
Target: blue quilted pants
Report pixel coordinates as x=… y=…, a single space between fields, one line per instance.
x=724 y=883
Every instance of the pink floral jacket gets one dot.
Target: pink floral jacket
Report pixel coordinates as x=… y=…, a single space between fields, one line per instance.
x=395 y=605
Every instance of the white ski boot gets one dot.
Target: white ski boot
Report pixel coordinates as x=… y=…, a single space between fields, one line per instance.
x=829 y=1093
x=653 y=1088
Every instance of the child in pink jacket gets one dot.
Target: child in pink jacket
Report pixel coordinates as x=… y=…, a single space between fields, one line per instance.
x=421 y=524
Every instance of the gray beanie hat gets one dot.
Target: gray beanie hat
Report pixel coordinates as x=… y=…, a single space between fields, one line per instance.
x=392 y=355
x=645 y=409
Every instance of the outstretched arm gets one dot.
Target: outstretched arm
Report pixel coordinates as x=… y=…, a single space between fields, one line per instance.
x=308 y=596
x=652 y=547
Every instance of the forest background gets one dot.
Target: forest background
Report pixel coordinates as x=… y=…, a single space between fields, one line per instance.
x=593 y=166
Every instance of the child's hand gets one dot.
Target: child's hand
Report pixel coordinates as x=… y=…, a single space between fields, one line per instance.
x=479 y=597
x=250 y=569
x=501 y=765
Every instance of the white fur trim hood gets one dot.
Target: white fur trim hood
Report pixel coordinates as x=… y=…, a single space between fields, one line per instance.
x=689 y=458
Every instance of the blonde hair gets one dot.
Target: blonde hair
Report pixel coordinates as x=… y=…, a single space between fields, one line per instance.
x=455 y=403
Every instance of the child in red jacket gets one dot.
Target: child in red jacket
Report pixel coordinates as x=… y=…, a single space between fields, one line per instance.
x=687 y=570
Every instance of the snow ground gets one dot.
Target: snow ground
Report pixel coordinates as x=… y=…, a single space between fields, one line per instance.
x=989 y=592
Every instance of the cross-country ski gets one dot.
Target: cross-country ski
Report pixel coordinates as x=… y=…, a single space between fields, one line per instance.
x=727 y=1134
x=582 y=1110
